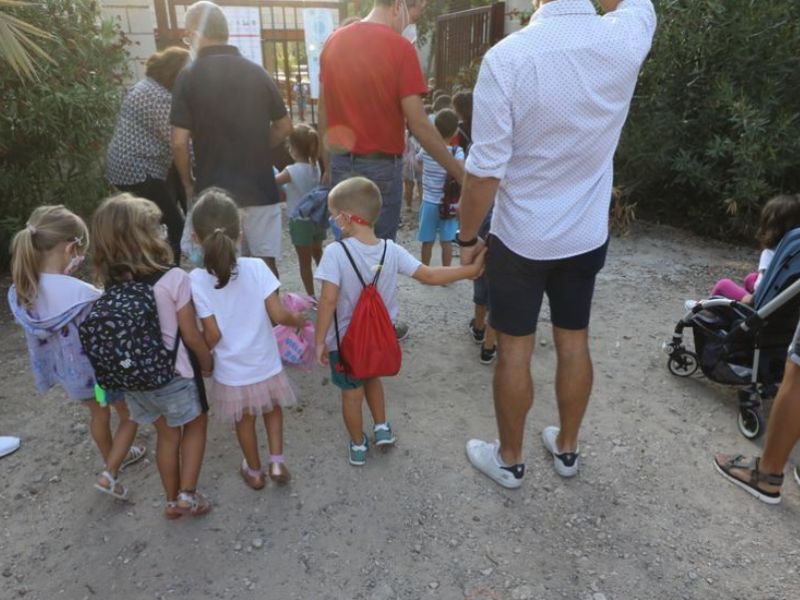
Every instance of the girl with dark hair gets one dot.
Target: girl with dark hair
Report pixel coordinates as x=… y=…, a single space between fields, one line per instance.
x=139 y=156
x=780 y=215
x=237 y=302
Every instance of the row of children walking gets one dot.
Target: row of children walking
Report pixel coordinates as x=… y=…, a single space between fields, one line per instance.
x=216 y=321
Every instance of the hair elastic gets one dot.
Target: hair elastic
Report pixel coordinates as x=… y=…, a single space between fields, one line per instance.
x=219 y=230
x=31 y=228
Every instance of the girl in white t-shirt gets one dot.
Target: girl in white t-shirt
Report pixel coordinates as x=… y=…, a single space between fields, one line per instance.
x=779 y=215
x=236 y=300
x=49 y=303
x=298 y=180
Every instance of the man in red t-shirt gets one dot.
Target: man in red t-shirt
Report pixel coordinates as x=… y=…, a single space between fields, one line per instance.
x=371 y=86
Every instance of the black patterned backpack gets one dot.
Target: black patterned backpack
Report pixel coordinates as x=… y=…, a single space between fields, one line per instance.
x=122 y=338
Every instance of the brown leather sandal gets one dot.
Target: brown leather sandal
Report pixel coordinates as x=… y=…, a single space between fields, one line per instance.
x=279 y=473
x=753 y=483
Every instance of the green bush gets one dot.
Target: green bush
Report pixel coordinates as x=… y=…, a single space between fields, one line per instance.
x=53 y=131
x=714 y=129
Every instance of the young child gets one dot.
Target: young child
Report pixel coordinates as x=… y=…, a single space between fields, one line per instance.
x=50 y=304
x=237 y=299
x=462 y=104
x=298 y=180
x=130 y=245
x=481 y=331
x=779 y=215
x=355 y=205
x=431 y=224
x=411 y=171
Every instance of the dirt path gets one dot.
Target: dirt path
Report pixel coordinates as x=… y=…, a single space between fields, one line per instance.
x=647 y=518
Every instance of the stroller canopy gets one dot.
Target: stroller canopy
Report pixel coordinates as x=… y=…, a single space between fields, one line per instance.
x=783 y=270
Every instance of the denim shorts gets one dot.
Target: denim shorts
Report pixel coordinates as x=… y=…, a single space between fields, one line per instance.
x=432 y=225
x=387 y=174
x=178 y=402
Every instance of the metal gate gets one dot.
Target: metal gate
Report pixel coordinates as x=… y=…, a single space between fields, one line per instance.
x=463 y=37
x=281 y=36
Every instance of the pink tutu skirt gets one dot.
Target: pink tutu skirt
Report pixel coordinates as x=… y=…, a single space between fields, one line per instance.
x=230 y=402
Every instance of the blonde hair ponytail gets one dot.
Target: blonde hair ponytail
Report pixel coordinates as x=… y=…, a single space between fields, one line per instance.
x=47 y=227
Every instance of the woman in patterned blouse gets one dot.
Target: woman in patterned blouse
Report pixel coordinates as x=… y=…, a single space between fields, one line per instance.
x=139 y=156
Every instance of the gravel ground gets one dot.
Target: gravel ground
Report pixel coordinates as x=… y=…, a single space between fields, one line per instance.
x=647 y=518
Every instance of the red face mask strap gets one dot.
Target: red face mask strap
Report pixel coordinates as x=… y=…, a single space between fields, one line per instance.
x=359 y=220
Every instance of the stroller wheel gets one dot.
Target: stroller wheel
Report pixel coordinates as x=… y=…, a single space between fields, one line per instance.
x=682 y=363
x=751 y=422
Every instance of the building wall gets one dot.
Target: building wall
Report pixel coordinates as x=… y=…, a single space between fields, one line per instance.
x=137 y=18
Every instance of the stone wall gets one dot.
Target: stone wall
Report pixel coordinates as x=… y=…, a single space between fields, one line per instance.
x=137 y=19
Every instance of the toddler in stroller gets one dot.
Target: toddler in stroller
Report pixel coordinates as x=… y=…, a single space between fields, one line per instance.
x=744 y=341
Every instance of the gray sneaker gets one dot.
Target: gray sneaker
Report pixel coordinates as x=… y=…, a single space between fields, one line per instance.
x=384 y=436
x=797 y=475
x=401 y=331
x=358 y=454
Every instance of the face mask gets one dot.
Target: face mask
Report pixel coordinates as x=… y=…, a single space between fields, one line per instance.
x=410 y=33
x=337 y=231
x=74 y=263
x=196 y=257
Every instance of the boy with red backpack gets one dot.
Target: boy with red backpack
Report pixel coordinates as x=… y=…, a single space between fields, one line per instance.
x=358 y=303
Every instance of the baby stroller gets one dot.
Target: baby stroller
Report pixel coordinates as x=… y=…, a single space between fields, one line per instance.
x=743 y=345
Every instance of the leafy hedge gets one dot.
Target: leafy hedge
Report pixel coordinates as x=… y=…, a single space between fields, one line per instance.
x=53 y=131
x=714 y=129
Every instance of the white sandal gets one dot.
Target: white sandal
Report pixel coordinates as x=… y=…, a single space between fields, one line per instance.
x=114 y=489
x=135 y=454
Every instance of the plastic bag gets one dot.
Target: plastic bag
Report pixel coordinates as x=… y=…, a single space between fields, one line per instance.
x=296 y=346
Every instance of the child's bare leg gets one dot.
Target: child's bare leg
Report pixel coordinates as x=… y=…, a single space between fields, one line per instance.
x=316 y=251
x=351 y=412
x=427 y=251
x=193 y=447
x=123 y=439
x=447 y=253
x=100 y=427
x=304 y=258
x=248 y=440
x=167 y=447
x=480 y=316
x=374 y=391
x=273 y=421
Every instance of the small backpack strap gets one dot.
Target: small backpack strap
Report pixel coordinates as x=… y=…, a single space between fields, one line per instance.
x=352 y=262
x=380 y=265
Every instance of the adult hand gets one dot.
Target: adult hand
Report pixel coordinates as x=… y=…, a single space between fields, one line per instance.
x=469 y=254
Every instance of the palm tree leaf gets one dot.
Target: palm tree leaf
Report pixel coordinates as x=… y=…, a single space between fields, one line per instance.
x=17 y=47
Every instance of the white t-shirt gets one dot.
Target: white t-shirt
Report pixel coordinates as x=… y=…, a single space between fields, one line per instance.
x=59 y=293
x=247 y=353
x=305 y=177
x=763 y=263
x=336 y=269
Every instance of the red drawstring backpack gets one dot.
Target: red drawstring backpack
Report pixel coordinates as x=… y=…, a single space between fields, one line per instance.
x=370 y=348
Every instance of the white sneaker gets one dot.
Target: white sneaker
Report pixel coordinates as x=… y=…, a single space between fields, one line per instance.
x=8 y=445
x=797 y=475
x=565 y=463
x=484 y=457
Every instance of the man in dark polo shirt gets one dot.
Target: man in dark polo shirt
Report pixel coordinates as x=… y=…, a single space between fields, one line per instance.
x=234 y=115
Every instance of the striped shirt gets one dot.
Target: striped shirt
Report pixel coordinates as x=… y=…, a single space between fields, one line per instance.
x=434 y=175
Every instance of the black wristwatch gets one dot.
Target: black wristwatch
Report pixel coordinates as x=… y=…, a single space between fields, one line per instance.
x=465 y=243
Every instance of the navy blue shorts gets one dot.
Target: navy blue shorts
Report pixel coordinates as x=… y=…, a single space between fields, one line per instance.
x=517 y=286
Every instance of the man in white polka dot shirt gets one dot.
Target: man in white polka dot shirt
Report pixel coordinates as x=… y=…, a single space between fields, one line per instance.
x=549 y=107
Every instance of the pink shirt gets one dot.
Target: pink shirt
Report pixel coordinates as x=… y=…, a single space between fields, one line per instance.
x=172 y=292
